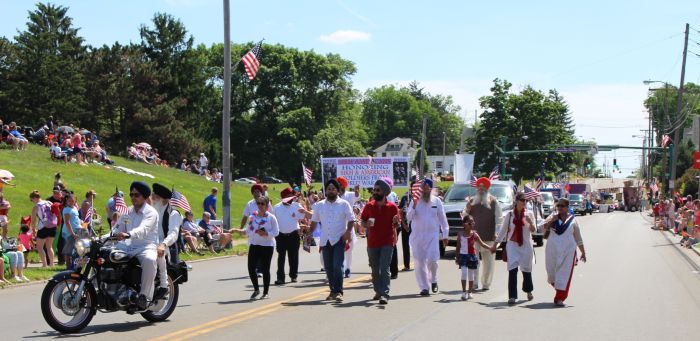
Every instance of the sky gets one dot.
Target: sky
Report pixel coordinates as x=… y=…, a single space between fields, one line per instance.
x=595 y=53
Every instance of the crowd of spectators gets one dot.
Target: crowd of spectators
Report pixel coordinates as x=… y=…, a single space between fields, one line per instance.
x=679 y=215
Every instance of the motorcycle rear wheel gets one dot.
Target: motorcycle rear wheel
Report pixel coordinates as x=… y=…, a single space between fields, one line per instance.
x=166 y=307
x=52 y=300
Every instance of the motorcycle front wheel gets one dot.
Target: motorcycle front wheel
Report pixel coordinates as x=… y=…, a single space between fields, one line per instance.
x=59 y=309
x=164 y=307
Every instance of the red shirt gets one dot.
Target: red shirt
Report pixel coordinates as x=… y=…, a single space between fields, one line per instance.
x=383 y=232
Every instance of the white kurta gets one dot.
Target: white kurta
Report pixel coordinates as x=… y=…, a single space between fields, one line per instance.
x=518 y=256
x=560 y=254
x=427 y=221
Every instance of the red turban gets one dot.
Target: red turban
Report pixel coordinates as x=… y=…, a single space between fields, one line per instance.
x=343 y=182
x=257 y=187
x=483 y=181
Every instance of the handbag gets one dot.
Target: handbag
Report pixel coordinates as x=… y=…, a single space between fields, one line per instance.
x=501 y=252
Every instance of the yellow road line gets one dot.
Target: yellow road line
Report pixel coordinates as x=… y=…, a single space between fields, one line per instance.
x=207 y=327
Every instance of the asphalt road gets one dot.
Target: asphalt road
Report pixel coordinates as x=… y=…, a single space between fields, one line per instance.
x=637 y=285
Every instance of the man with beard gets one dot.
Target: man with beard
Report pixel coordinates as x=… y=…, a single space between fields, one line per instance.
x=337 y=221
x=487 y=215
x=169 y=221
x=426 y=216
x=380 y=218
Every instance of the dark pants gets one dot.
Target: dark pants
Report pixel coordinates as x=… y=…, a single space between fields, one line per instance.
x=61 y=242
x=406 y=247
x=379 y=259
x=288 y=244
x=513 y=283
x=333 y=257
x=260 y=256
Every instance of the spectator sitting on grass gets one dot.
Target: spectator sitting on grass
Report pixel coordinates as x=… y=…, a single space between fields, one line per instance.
x=14 y=253
x=23 y=142
x=190 y=231
x=224 y=237
x=57 y=153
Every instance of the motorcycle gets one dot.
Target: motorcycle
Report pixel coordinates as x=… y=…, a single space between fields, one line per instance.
x=104 y=279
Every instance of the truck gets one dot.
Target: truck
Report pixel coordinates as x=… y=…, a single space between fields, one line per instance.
x=630 y=198
x=557 y=193
x=578 y=194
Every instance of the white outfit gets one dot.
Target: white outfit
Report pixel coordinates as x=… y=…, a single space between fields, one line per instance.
x=560 y=254
x=174 y=222
x=251 y=207
x=334 y=218
x=268 y=223
x=288 y=217
x=427 y=221
x=518 y=255
x=203 y=162
x=143 y=227
x=351 y=198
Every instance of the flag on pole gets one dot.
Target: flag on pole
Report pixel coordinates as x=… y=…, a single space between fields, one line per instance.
x=472 y=182
x=494 y=174
x=417 y=190
x=665 y=141
x=251 y=61
x=88 y=215
x=178 y=200
x=538 y=184
x=120 y=206
x=307 y=174
x=530 y=193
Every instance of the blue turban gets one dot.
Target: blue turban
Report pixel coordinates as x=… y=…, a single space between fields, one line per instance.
x=428 y=182
x=141 y=187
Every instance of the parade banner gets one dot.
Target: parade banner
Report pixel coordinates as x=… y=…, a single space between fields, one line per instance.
x=464 y=164
x=365 y=171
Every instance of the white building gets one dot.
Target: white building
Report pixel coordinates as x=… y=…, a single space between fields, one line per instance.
x=398 y=147
x=442 y=164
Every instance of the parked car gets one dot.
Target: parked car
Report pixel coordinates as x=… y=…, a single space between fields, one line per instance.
x=271 y=180
x=455 y=201
x=245 y=181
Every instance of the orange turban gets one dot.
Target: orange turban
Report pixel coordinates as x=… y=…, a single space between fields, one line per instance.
x=483 y=181
x=343 y=182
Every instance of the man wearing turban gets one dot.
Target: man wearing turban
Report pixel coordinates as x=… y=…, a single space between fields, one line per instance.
x=487 y=215
x=425 y=215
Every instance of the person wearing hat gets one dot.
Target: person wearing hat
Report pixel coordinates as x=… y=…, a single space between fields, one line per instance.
x=288 y=213
x=337 y=221
x=140 y=227
x=351 y=198
x=380 y=217
x=425 y=214
x=203 y=163
x=486 y=211
x=169 y=221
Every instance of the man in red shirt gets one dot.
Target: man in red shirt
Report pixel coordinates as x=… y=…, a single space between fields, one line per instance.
x=380 y=218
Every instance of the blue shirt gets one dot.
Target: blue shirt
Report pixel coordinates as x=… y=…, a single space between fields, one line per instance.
x=74 y=221
x=210 y=201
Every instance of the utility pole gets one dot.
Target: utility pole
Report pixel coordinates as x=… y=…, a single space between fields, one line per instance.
x=679 y=108
x=226 y=120
x=422 y=145
x=443 y=153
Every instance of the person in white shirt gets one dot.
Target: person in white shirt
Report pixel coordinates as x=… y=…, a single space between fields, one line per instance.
x=288 y=213
x=137 y=232
x=257 y=192
x=351 y=198
x=261 y=231
x=337 y=221
x=169 y=221
x=428 y=219
x=203 y=163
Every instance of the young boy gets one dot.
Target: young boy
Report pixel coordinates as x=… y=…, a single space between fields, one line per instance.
x=467 y=260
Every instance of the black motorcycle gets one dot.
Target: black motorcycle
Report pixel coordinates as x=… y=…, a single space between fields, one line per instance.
x=104 y=279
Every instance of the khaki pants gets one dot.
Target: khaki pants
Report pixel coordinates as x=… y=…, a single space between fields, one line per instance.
x=487 y=263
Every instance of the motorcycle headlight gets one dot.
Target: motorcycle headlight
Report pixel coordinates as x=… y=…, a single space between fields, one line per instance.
x=82 y=246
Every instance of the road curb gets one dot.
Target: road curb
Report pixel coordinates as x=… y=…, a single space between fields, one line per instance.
x=42 y=281
x=676 y=241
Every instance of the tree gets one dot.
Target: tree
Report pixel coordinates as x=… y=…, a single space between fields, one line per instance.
x=47 y=78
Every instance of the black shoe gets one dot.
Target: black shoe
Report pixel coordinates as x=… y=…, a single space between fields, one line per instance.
x=347 y=273
x=160 y=293
x=407 y=268
x=142 y=302
x=278 y=282
x=424 y=293
x=294 y=280
x=255 y=294
x=394 y=276
x=384 y=300
x=435 y=288
x=264 y=296
x=376 y=297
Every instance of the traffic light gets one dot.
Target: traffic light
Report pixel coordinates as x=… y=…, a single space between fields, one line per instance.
x=615 y=162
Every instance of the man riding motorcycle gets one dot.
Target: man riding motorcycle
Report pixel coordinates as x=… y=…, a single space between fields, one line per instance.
x=169 y=221
x=137 y=233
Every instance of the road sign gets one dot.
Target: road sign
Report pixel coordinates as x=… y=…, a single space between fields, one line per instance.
x=696 y=160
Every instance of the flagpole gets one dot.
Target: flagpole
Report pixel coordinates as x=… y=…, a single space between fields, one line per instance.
x=226 y=120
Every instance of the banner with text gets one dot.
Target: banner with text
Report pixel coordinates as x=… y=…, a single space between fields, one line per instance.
x=365 y=171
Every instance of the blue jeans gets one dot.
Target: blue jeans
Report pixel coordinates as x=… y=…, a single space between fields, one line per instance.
x=380 y=262
x=333 y=257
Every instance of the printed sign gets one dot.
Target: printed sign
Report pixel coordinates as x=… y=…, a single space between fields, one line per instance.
x=365 y=171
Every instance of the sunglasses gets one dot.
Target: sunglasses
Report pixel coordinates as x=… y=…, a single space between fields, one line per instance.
x=261 y=204
x=560 y=206
x=521 y=200
x=134 y=195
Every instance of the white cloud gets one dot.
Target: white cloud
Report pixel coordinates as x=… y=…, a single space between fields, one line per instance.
x=345 y=36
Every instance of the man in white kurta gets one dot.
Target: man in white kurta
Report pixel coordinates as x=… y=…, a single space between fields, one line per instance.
x=563 y=236
x=169 y=222
x=427 y=217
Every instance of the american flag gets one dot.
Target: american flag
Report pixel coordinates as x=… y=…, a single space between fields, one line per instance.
x=179 y=200
x=472 y=182
x=88 y=215
x=557 y=185
x=538 y=184
x=120 y=206
x=530 y=193
x=307 y=174
x=653 y=186
x=251 y=61
x=665 y=141
x=417 y=189
x=494 y=174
